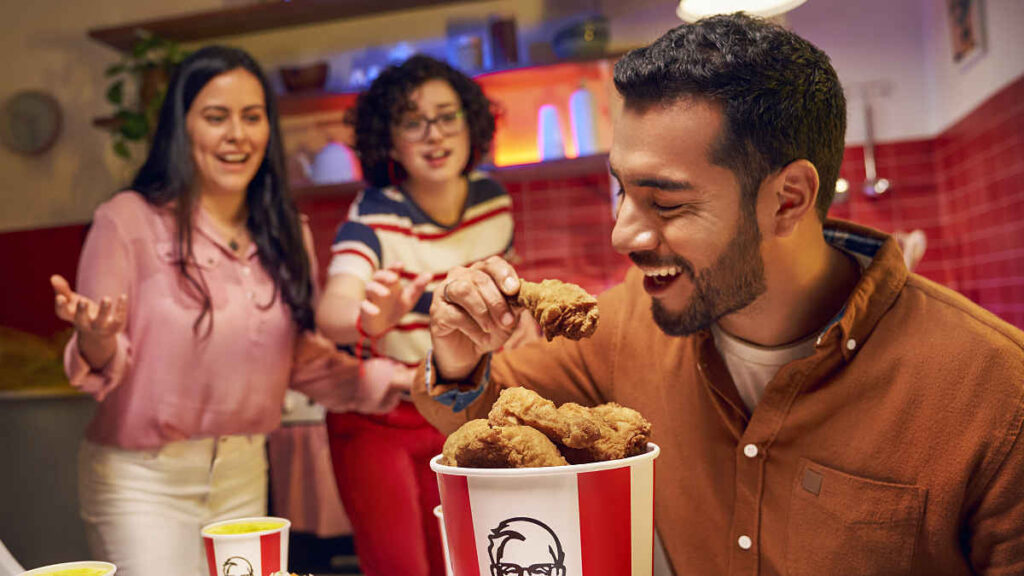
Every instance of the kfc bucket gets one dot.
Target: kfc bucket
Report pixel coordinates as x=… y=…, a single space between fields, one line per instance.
x=444 y=541
x=579 y=520
x=244 y=546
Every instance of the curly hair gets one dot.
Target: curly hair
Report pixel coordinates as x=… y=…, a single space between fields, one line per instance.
x=780 y=96
x=380 y=106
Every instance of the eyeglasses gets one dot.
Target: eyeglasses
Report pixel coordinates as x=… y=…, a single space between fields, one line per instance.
x=416 y=128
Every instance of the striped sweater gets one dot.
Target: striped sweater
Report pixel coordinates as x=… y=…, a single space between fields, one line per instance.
x=385 y=226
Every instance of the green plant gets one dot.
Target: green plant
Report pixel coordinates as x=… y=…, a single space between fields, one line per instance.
x=148 y=67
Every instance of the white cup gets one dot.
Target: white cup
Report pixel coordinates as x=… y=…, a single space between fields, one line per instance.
x=246 y=546
x=87 y=568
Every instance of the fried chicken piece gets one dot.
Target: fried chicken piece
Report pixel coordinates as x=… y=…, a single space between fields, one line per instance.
x=478 y=445
x=570 y=424
x=606 y=432
x=630 y=432
x=561 y=309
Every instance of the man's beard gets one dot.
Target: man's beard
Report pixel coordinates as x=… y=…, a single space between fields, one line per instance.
x=732 y=283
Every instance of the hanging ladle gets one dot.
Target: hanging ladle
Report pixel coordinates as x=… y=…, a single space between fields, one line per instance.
x=873 y=185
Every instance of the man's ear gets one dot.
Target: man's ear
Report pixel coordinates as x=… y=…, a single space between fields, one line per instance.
x=795 y=192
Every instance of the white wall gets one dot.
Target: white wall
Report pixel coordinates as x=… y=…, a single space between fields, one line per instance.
x=46 y=48
x=872 y=44
x=957 y=90
x=897 y=49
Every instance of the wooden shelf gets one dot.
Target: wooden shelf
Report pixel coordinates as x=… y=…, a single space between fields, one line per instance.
x=550 y=170
x=315 y=101
x=553 y=169
x=253 y=18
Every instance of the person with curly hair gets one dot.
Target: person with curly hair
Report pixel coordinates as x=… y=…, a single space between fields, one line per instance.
x=421 y=129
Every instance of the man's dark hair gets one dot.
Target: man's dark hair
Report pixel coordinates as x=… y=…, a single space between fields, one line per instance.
x=387 y=98
x=780 y=97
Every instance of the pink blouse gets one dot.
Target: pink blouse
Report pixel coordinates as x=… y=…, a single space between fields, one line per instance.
x=164 y=382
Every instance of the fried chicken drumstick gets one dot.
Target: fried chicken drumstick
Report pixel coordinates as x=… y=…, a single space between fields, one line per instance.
x=561 y=309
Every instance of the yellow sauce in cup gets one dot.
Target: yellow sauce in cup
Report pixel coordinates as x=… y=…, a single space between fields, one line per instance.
x=242 y=528
x=78 y=572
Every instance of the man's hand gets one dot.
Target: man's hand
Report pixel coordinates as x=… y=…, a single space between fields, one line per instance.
x=470 y=317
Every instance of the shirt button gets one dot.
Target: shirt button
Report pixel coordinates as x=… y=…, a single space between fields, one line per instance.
x=750 y=451
x=851 y=344
x=745 y=542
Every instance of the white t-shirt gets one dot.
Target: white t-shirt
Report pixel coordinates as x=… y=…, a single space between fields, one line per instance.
x=753 y=366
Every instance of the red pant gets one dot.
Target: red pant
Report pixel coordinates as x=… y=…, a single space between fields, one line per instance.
x=382 y=467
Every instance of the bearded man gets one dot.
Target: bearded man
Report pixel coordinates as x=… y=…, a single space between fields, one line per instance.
x=819 y=408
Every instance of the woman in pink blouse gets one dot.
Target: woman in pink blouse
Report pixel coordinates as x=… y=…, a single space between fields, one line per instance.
x=193 y=314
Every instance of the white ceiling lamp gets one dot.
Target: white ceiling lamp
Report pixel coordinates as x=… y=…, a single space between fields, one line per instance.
x=693 y=10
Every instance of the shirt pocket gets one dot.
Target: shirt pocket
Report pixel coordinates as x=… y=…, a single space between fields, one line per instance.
x=207 y=257
x=207 y=261
x=845 y=524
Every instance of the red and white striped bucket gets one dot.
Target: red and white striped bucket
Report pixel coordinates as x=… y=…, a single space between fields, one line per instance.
x=258 y=546
x=444 y=541
x=581 y=520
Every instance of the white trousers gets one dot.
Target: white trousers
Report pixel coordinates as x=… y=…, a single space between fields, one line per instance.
x=143 y=509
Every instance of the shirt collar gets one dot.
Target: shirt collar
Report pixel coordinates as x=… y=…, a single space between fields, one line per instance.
x=876 y=291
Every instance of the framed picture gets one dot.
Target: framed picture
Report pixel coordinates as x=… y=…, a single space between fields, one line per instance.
x=967 y=29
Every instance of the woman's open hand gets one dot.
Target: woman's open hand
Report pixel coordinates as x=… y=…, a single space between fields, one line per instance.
x=388 y=299
x=96 y=325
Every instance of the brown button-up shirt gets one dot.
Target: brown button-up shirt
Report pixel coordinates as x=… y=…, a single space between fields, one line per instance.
x=894 y=449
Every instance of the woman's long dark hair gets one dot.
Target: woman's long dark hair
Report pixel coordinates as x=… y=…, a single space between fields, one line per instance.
x=168 y=175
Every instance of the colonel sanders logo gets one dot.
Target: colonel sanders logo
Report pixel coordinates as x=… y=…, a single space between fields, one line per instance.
x=525 y=547
x=236 y=566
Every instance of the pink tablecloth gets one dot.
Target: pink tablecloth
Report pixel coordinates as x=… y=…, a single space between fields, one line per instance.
x=302 y=481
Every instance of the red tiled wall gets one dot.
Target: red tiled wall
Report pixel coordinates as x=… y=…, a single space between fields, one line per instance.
x=911 y=203
x=965 y=189
x=981 y=164
x=564 y=230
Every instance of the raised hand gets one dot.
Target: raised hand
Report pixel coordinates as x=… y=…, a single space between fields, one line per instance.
x=97 y=325
x=470 y=315
x=388 y=299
